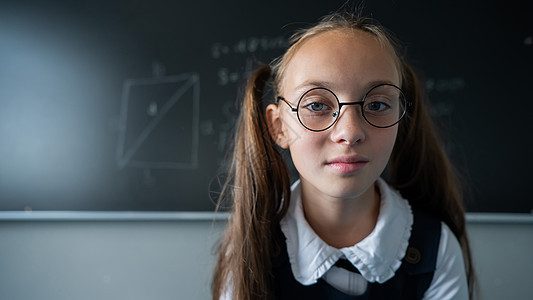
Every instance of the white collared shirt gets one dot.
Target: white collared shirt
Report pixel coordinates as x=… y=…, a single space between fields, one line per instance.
x=377 y=257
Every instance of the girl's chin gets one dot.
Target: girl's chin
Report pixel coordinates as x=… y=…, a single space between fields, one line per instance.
x=340 y=189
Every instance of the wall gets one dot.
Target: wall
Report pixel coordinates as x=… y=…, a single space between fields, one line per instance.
x=172 y=259
x=503 y=257
x=106 y=260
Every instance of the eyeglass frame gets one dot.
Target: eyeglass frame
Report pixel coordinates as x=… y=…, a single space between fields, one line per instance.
x=341 y=104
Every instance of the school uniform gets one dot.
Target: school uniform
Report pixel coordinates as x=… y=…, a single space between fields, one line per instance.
x=408 y=255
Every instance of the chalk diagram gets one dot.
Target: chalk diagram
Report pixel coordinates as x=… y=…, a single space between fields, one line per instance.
x=159 y=123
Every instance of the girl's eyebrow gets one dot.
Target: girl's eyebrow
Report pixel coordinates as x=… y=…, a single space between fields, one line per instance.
x=374 y=83
x=306 y=85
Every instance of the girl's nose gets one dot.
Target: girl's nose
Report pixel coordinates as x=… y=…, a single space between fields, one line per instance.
x=350 y=126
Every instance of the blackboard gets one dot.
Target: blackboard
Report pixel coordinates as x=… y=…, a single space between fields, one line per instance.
x=130 y=105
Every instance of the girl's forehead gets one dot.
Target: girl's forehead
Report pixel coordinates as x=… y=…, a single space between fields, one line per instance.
x=341 y=56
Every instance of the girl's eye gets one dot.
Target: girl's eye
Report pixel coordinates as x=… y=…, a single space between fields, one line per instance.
x=377 y=106
x=316 y=106
x=317 y=102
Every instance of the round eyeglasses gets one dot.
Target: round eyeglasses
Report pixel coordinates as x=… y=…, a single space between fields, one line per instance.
x=318 y=109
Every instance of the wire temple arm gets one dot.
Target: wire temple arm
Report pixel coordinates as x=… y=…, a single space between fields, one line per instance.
x=283 y=99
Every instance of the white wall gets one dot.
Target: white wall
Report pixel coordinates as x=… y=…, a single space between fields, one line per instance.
x=172 y=259
x=503 y=257
x=106 y=260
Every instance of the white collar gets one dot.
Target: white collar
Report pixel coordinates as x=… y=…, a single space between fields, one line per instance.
x=377 y=257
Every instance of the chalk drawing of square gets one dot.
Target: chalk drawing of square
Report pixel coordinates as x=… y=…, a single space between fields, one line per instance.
x=159 y=123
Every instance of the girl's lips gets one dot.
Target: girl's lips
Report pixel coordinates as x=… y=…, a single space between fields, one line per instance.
x=347 y=164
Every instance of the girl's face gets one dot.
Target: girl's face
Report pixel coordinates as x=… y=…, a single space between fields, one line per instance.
x=345 y=160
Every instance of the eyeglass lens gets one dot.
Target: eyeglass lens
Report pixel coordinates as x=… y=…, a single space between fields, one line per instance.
x=383 y=106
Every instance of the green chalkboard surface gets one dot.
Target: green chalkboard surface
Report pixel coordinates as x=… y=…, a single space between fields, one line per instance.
x=130 y=105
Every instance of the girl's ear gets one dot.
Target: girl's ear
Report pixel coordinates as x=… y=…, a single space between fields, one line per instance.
x=276 y=127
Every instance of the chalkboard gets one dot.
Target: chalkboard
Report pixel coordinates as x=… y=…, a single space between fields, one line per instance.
x=130 y=105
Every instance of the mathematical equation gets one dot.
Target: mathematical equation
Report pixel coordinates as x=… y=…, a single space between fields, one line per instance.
x=245 y=50
x=248 y=46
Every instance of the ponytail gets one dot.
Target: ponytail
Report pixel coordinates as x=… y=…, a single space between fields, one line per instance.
x=423 y=173
x=258 y=181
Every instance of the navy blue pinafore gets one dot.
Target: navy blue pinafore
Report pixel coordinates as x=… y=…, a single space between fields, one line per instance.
x=411 y=280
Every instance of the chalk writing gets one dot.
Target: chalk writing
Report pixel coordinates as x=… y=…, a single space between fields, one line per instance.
x=453 y=84
x=151 y=110
x=440 y=109
x=248 y=46
x=126 y=152
x=439 y=90
x=227 y=76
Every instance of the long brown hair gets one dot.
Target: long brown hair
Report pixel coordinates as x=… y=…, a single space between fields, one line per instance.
x=258 y=181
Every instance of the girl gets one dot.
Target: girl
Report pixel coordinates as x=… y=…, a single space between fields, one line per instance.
x=347 y=106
